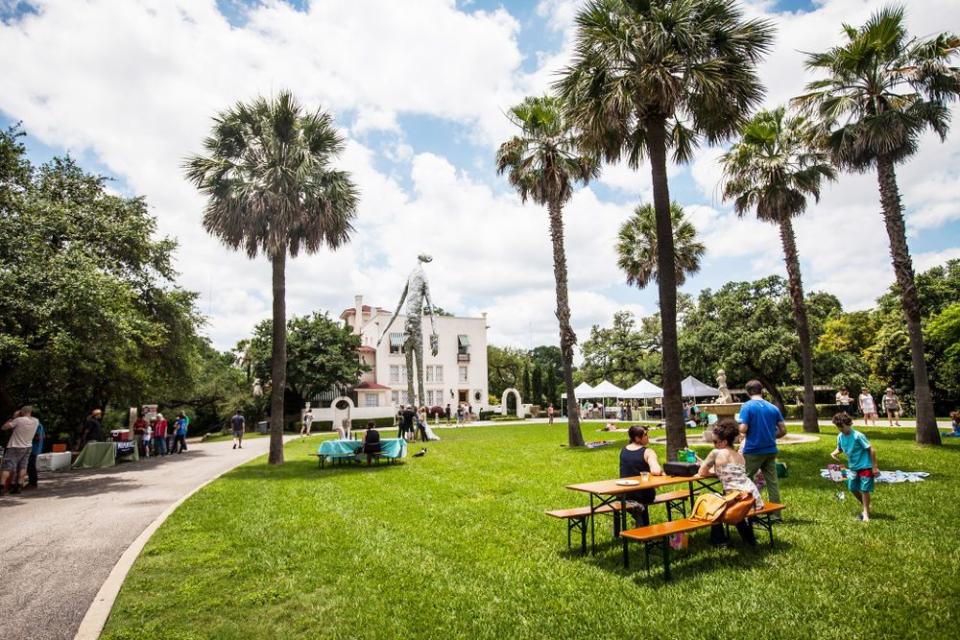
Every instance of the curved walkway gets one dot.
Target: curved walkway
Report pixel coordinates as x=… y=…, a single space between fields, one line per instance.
x=61 y=541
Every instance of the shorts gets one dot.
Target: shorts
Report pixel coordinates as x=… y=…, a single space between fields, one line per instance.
x=238 y=433
x=15 y=458
x=860 y=483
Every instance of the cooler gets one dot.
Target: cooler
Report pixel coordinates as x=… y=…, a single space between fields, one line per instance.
x=120 y=435
x=59 y=461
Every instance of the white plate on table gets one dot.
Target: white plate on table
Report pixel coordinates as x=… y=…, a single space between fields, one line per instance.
x=628 y=483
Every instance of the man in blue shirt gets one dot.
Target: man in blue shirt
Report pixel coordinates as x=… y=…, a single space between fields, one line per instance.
x=761 y=423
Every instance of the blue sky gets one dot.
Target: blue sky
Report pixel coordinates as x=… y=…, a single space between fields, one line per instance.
x=420 y=91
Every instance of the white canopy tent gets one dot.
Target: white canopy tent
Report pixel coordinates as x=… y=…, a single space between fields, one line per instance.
x=643 y=390
x=690 y=387
x=582 y=390
x=606 y=389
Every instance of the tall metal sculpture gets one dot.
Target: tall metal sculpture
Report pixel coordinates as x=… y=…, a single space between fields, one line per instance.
x=417 y=294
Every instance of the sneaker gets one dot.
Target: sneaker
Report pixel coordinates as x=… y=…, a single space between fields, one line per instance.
x=234 y=445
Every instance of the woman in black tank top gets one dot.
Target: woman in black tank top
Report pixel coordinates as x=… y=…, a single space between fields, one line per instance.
x=637 y=458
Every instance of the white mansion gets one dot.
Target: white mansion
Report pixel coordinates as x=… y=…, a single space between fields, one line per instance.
x=457 y=374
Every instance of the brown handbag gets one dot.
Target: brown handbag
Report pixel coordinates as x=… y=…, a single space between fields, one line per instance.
x=739 y=505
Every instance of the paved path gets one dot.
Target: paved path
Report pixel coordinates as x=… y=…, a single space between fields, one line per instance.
x=60 y=541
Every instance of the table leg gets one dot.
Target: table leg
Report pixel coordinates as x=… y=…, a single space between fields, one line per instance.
x=593 y=541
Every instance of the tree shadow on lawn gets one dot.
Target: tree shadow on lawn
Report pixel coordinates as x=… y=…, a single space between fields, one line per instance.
x=310 y=469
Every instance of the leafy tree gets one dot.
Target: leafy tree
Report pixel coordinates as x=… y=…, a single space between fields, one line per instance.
x=621 y=354
x=543 y=163
x=654 y=76
x=882 y=89
x=271 y=189
x=505 y=369
x=772 y=170
x=637 y=246
x=549 y=359
x=536 y=385
x=527 y=389
x=321 y=355
x=746 y=328
x=943 y=336
x=89 y=315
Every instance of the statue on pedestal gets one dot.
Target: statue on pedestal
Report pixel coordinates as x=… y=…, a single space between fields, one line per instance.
x=417 y=295
x=725 y=395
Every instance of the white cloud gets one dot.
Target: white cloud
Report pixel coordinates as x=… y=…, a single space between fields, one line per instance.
x=134 y=84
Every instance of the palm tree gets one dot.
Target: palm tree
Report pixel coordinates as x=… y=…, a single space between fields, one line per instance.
x=882 y=89
x=637 y=246
x=772 y=169
x=271 y=190
x=652 y=76
x=543 y=163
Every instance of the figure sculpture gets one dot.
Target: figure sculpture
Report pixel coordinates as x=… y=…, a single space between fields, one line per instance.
x=725 y=396
x=417 y=295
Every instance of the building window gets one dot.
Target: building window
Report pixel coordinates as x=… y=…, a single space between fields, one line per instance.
x=429 y=373
x=395 y=397
x=396 y=342
x=394 y=374
x=463 y=344
x=371 y=399
x=438 y=374
x=463 y=374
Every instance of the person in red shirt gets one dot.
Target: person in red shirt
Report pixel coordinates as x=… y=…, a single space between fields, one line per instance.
x=160 y=436
x=139 y=428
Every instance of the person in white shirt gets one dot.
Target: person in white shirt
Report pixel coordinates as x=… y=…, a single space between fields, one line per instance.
x=868 y=406
x=17 y=454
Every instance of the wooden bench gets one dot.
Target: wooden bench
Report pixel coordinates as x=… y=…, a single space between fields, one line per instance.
x=656 y=536
x=577 y=520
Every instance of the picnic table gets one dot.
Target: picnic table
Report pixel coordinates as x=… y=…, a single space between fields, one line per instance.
x=606 y=495
x=392 y=448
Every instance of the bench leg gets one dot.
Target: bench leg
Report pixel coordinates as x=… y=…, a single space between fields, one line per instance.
x=665 y=549
x=626 y=554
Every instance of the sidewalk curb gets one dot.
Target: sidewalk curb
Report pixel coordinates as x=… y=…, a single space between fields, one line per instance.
x=96 y=617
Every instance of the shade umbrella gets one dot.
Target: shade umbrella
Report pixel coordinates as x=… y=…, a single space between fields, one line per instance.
x=690 y=387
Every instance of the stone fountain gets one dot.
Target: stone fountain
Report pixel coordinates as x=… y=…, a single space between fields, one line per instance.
x=724 y=407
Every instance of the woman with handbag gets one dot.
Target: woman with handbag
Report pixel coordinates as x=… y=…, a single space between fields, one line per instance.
x=727 y=464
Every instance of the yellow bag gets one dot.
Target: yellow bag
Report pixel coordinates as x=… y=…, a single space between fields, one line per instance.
x=708 y=507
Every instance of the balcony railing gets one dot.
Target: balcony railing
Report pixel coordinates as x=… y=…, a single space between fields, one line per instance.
x=463 y=357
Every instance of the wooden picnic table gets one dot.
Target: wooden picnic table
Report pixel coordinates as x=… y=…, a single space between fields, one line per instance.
x=607 y=492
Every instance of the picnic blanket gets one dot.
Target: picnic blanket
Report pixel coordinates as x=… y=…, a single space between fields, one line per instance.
x=891 y=477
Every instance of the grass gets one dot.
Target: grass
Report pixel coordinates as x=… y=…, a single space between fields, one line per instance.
x=455 y=544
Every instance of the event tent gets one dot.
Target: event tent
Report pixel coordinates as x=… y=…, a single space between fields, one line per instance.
x=606 y=389
x=643 y=389
x=690 y=387
x=582 y=390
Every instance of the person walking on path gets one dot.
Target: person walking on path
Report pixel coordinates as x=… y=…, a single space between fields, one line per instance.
x=17 y=454
x=446 y=413
x=307 y=425
x=891 y=404
x=550 y=412
x=868 y=406
x=761 y=423
x=845 y=402
x=238 y=425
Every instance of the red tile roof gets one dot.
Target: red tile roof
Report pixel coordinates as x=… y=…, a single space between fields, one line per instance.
x=371 y=386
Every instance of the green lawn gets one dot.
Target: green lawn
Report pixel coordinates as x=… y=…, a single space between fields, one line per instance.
x=455 y=544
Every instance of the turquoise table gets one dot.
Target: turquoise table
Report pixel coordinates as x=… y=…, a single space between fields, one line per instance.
x=332 y=450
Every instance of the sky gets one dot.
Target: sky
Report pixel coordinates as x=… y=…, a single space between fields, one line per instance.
x=420 y=91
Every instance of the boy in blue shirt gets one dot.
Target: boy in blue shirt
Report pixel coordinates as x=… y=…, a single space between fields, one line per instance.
x=861 y=461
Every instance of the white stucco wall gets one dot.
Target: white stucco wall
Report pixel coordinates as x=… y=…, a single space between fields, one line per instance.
x=448 y=329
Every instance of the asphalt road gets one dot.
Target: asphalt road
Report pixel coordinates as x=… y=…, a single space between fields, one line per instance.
x=61 y=540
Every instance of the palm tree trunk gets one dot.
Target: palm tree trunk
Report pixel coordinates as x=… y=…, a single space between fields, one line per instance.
x=927 y=432
x=278 y=357
x=567 y=337
x=667 y=278
x=787 y=237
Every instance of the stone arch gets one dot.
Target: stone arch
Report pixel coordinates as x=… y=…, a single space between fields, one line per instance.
x=503 y=401
x=341 y=413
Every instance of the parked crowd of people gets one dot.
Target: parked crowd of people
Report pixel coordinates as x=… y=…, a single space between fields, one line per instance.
x=157 y=437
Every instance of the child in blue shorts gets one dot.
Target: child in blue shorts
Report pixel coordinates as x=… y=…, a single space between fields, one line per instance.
x=861 y=461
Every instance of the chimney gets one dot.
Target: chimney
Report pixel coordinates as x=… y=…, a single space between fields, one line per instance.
x=358 y=314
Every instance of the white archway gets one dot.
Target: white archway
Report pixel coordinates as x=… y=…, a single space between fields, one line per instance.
x=503 y=401
x=341 y=414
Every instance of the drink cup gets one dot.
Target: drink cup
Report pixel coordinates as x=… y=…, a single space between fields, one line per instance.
x=644 y=476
